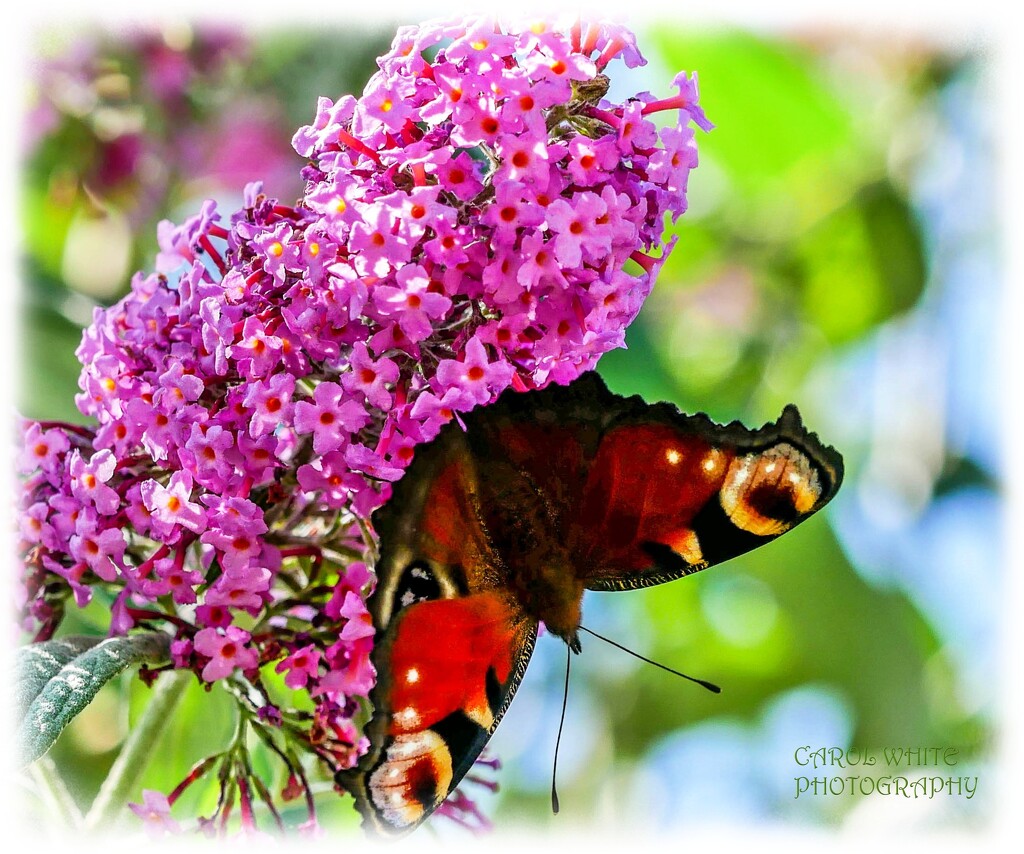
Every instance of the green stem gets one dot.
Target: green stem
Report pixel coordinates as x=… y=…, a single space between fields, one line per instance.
x=55 y=795
x=138 y=750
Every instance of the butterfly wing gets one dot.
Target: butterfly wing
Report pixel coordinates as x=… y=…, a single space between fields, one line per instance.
x=451 y=648
x=672 y=494
x=644 y=494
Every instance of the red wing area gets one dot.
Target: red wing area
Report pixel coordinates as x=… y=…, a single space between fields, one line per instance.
x=444 y=654
x=668 y=494
x=449 y=532
x=646 y=485
x=452 y=666
x=433 y=544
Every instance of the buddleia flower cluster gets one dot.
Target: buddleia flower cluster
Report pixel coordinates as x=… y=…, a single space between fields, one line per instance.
x=481 y=217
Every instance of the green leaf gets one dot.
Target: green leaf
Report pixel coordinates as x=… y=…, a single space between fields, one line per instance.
x=39 y=663
x=56 y=680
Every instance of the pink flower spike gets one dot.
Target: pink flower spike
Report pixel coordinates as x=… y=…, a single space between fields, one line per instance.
x=329 y=417
x=514 y=206
x=384 y=102
x=41 y=449
x=412 y=304
x=89 y=478
x=466 y=224
x=270 y=402
x=359 y=624
x=301 y=667
x=686 y=101
x=576 y=227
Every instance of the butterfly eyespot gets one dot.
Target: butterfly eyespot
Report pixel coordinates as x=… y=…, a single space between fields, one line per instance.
x=712 y=463
x=765 y=494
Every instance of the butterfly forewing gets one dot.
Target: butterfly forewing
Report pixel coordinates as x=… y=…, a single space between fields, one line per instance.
x=669 y=494
x=451 y=647
x=447 y=670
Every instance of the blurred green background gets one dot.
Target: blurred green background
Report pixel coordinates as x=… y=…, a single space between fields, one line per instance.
x=839 y=252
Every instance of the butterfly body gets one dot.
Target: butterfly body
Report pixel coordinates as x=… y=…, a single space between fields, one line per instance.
x=502 y=526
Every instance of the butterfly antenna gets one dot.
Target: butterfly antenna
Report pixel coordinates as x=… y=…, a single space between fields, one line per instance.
x=558 y=738
x=711 y=686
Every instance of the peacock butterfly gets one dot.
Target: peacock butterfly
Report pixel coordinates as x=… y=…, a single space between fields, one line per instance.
x=501 y=526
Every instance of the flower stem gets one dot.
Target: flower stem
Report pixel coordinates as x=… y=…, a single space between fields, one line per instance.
x=54 y=793
x=137 y=751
